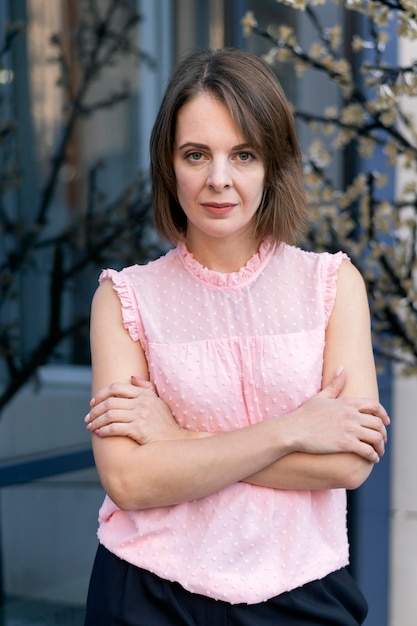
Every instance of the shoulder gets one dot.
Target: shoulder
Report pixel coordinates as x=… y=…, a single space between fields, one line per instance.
x=293 y=252
x=321 y=262
x=351 y=306
x=112 y=313
x=115 y=302
x=331 y=274
x=133 y=273
x=106 y=302
x=350 y=287
x=349 y=275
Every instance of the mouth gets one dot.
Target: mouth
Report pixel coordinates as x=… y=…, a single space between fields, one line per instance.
x=218 y=208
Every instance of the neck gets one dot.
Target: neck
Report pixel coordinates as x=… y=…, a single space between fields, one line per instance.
x=220 y=256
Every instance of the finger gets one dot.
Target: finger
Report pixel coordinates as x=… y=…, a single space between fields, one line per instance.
x=116 y=429
x=369 y=406
x=372 y=422
x=113 y=416
x=368 y=452
x=116 y=389
x=109 y=404
x=335 y=387
x=377 y=410
x=141 y=382
x=371 y=432
x=376 y=440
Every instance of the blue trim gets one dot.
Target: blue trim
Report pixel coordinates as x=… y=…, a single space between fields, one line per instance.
x=369 y=515
x=28 y=469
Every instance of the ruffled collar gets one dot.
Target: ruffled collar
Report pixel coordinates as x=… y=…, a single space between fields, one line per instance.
x=233 y=279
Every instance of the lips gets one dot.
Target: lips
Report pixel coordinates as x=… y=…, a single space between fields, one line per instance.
x=218 y=208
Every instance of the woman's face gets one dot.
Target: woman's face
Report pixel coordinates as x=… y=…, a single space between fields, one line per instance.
x=220 y=177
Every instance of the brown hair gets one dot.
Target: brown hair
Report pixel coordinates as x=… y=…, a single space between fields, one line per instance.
x=257 y=104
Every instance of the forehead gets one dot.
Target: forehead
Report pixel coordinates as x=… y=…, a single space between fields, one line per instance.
x=206 y=116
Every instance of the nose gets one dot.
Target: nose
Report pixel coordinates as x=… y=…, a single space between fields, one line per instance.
x=219 y=175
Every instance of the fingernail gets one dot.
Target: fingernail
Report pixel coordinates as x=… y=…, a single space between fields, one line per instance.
x=87 y=418
x=136 y=378
x=339 y=370
x=92 y=401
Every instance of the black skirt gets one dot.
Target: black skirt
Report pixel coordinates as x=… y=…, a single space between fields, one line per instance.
x=121 y=594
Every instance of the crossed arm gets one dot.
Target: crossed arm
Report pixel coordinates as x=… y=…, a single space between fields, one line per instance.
x=145 y=460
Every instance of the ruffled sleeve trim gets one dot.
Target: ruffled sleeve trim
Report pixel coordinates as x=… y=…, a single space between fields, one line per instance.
x=331 y=269
x=229 y=280
x=121 y=286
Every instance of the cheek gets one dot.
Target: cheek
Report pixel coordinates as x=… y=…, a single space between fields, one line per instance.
x=258 y=186
x=188 y=187
x=183 y=190
x=180 y=183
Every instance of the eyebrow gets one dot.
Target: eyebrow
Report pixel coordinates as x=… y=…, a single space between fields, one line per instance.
x=202 y=146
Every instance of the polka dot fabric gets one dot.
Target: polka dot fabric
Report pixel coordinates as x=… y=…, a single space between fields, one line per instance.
x=225 y=351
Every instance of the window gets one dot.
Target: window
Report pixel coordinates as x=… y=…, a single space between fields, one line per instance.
x=105 y=142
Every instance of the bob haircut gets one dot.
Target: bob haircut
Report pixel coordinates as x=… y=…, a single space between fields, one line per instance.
x=251 y=92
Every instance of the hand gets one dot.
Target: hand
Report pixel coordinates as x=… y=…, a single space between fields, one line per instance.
x=132 y=410
x=328 y=423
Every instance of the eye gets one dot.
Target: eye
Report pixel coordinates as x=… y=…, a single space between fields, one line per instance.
x=245 y=156
x=194 y=156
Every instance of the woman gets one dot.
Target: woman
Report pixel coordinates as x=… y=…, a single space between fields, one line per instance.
x=234 y=388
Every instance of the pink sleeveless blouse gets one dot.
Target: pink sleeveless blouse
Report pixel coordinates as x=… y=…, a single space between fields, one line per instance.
x=226 y=351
